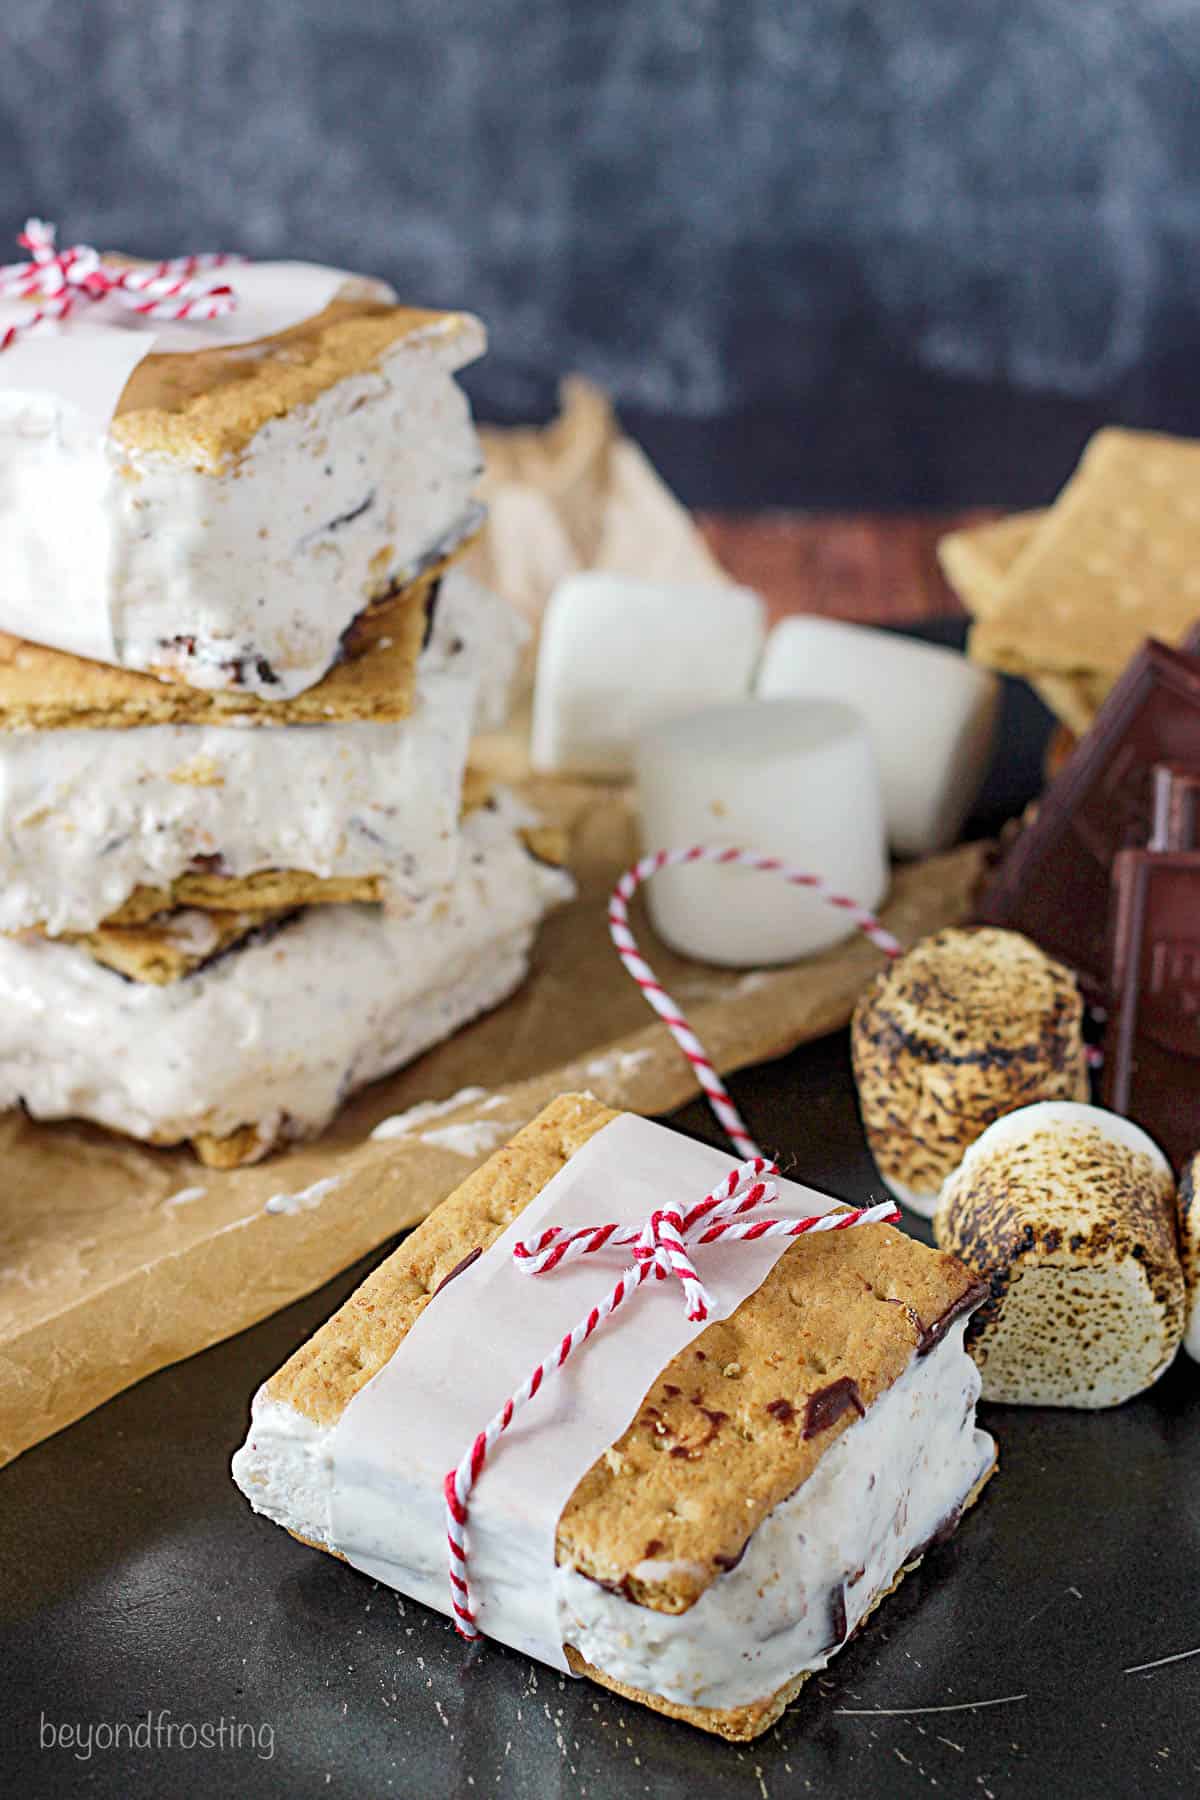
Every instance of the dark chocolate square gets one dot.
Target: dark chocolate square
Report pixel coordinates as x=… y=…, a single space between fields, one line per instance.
x=1053 y=883
x=1152 y=1045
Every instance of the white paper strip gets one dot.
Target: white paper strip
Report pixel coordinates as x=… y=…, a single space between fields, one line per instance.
x=85 y=362
x=477 y=1342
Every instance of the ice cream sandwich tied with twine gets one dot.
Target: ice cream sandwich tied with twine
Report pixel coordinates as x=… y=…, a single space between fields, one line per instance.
x=246 y=477
x=699 y=1506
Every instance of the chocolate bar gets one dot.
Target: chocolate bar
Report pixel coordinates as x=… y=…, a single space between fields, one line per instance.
x=1053 y=884
x=1176 y=823
x=1152 y=1047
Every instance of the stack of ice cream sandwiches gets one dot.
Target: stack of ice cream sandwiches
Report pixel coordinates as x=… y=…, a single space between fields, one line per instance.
x=244 y=868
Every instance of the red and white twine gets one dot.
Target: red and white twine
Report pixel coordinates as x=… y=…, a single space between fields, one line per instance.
x=660 y=1246
x=64 y=280
x=669 y=1010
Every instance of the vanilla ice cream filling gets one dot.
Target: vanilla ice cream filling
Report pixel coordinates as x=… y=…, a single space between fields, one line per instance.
x=283 y=1027
x=245 y=578
x=892 y=1482
x=87 y=816
x=471 y=626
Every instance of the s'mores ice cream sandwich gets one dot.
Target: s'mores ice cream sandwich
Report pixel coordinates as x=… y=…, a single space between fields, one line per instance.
x=241 y=871
x=121 y=796
x=245 y=492
x=244 y=1030
x=751 y=1495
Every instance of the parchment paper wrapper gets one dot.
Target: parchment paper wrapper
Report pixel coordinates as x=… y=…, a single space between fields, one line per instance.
x=86 y=362
x=116 y=1259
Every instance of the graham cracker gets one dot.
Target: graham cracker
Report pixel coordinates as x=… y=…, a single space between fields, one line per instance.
x=977 y=560
x=266 y=890
x=837 y=1306
x=1114 y=563
x=237 y=1151
x=50 y=690
x=1073 y=699
x=168 y=948
x=203 y=407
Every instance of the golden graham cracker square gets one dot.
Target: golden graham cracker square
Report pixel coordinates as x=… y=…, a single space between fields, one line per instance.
x=203 y=407
x=267 y=890
x=978 y=560
x=1114 y=562
x=50 y=690
x=165 y=949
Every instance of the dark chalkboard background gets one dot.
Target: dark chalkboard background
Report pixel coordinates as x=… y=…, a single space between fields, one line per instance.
x=850 y=251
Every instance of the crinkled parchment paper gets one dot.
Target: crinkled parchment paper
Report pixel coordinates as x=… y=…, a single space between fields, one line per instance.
x=116 y=1259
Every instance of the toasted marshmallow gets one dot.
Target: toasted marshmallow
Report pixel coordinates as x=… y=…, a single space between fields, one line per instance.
x=1069 y=1211
x=1189 y=1250
x=968 y=1025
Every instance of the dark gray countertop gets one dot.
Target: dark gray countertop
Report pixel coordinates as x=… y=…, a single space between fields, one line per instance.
x=138 y=1590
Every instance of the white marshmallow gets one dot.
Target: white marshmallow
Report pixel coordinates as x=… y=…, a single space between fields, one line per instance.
x=930 y=712
x=792 y=779
x=617 y=654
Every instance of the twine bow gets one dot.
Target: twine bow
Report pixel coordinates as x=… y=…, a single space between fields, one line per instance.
x=64 y=280
x=660 y=1247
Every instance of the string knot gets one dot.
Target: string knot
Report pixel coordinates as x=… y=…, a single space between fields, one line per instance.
x=62 y=280
x=660 y=1244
